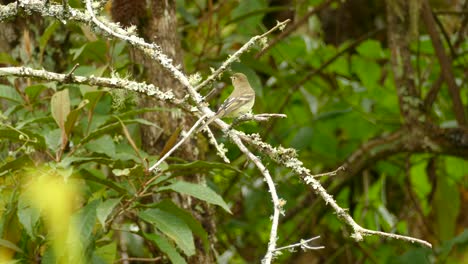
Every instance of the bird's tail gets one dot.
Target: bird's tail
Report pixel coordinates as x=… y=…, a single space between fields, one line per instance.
x=211 y=119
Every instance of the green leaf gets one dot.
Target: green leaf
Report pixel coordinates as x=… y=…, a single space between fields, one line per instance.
x=198 y=191
x=48 y=257
x=84 y=221
x=293 y=46
x=52 y=138
x=446 y=216
x=73 y=116
x=413 y=256
x=304 y=134
x=8 y=244
x=28 y=215
x=94 y=175
x=104 y=145
x=187 y=16
x=95 y=51
x=173 y=227
x=106 y=254
x=195 y=226
x=16 y=164
x=6 y=58
x=9 y=93
x=41 y=118
x=420 y=183
x=47 y=34
x=457 y=168
x=202 y=165
x=115 y=126
x=104 y=209
x=166 y=247
x=371 y=49
x=68 y=160
x=447 y=246
x=247 y=14
x=368 y=71
x=138 y=111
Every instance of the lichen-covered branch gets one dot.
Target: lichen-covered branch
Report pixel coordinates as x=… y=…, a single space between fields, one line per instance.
x=70 y=78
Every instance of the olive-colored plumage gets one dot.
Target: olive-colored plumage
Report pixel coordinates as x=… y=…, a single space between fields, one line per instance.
x=239 y=102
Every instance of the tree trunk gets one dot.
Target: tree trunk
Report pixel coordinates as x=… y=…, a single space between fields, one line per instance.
x=161 y=28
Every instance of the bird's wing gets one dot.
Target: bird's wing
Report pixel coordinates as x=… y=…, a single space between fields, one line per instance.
x=233 y=103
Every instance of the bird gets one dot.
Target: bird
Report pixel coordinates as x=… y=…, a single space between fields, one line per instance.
x=238 y=103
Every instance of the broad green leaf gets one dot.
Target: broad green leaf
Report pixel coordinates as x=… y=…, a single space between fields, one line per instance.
x=104 y=145
x=166 y=247
x=73 y=116
x=195 y=226
x=173 y=227
x=291 y=47
x=28 y=215
x=52 y=139
x=161 y=179
x=198 y=165
x=98 y=158
x=187 y=16
x=106 y=253
x=104 y=209
x=48 y=256
x=6 y=58
x=8 y=244
x=9 y=93
x=115 y=126
x=16 y=164
x=304 y=134
x=420 y=183
x=247 y=14
x=368 y=71
x=447 y=246
x=457 y=168
x=446 y=216
x=41 y=118
x=198 y=191
x=97 y=176
x=84 y=221
x=340 y=66
x=371 y=49
x=413 y=256
x=95 y=51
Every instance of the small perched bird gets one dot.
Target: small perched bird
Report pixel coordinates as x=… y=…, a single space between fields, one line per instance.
x=238 y=103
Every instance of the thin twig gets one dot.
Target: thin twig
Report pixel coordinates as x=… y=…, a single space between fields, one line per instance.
x=293 y=27
x=313 y=72
x=445 y=64
x=302 y=244
x=331 y=173
x=260 y=117
x=184 y=138
x=277 y=207
x=287 y=158
x=234 y=57
x=157 y=259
